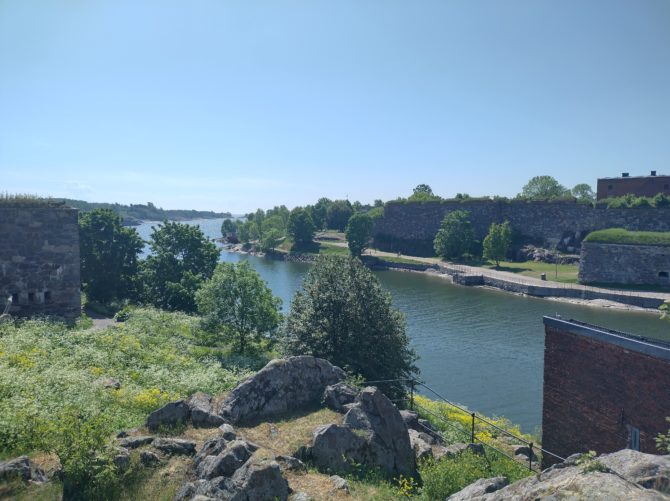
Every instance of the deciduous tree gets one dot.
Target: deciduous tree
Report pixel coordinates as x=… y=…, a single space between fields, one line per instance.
x=455 y=236
x=358 y=233
x=342 y=314
x=237 y=304
x=108 y=253
x=300 y=227
x=543 y=188
x=181 y=259
x=498 y=242
x=338 y=215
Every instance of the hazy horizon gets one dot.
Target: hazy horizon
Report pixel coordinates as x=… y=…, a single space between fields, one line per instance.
x=230 y=106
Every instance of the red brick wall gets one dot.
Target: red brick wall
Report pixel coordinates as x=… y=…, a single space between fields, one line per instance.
x=593 y=389
x=647 y=186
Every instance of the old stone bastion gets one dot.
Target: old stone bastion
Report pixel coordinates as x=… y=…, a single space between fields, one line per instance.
x=410 y=227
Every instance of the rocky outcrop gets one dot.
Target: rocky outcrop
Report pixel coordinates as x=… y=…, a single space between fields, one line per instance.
x=21 y=468
x=373 y=434
x=224 y=464
x=337 y=396
x=136 y=441
x=202 y=414
x=175 y=446
x=197 y=409
x=171 y=414
x=623 y=475
x=647 y=470
x=256 y=480
x=479 y=488
x=282 y=386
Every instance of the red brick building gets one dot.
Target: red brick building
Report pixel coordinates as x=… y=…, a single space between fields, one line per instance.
x=603 y=390
x=641 y=186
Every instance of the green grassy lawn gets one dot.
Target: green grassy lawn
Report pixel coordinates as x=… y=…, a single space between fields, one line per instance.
x=395 y=259
x=565 y=273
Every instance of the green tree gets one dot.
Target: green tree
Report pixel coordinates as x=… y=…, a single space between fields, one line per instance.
x=455 y=236
x=358 y=233
x=342 y=314
x=238 y=304
x=181 y=259
x=319 y=212
x=244 y=230
x=228 y=228
x=543 y=188
x=108 y=253
x=300 y=227
x=583 y=193
x=338 y=215
x=270 y=240
x=498 y=242
x=423 y=193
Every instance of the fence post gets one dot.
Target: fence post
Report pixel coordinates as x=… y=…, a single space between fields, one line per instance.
x=530 y=457
x=411 y=394
x=472 y=433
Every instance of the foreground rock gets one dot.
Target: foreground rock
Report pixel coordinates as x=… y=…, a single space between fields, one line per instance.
x=226 y=462
x=479 y=488
x=282 y=386
x=373 y=434
x=648 y=470
x=202 y=414
x=337 y=396
x=256 y=480
x=21 y=468
x=175 y=446
x=623 y=475
x=170 y=415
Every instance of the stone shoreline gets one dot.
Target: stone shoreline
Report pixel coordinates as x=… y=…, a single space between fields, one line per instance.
x=581 y=295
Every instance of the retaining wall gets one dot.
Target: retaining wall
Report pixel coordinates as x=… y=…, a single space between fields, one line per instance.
x=410 y=228
x=624 y=264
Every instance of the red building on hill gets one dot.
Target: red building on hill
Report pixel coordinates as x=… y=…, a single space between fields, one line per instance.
x=641 y=186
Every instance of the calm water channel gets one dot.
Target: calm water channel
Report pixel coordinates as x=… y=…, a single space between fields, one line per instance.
x=479 y=347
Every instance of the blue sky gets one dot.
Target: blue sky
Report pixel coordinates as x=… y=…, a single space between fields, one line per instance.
x=223 y=105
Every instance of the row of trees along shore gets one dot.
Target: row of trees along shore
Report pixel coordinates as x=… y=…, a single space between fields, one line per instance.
x=341 y=313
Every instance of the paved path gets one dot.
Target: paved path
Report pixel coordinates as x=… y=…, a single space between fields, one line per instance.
x=515 y=278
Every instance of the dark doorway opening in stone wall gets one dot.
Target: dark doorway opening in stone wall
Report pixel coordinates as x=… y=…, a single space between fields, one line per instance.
x=31 y=297
x=663 y=275
x=47 y=296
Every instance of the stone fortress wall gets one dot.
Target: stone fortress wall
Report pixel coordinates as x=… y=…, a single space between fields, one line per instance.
x=624 y=264
x=411 y=227
x=39 y=261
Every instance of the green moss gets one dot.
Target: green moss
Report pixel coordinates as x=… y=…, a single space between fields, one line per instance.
x=621 y=236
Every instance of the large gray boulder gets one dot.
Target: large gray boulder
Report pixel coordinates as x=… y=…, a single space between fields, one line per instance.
x=21 y=468
x=256 y=480
x=648 y=470
x=337 y=396
x=479 y=488
x=224 y=464
x=373 y=434
x=202 y=414
x=171 y=414
x=282 y=386
x=573 y=483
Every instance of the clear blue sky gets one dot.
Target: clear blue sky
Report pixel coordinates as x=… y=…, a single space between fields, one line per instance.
x=223 y=105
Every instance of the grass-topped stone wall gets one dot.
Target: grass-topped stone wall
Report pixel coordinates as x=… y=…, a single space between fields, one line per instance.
x=619 y=256
x=409 y=227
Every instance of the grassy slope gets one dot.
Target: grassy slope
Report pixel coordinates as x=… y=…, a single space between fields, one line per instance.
x=47 y=369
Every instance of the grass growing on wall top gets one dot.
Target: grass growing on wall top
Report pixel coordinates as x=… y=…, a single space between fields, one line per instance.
x=621 y=236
